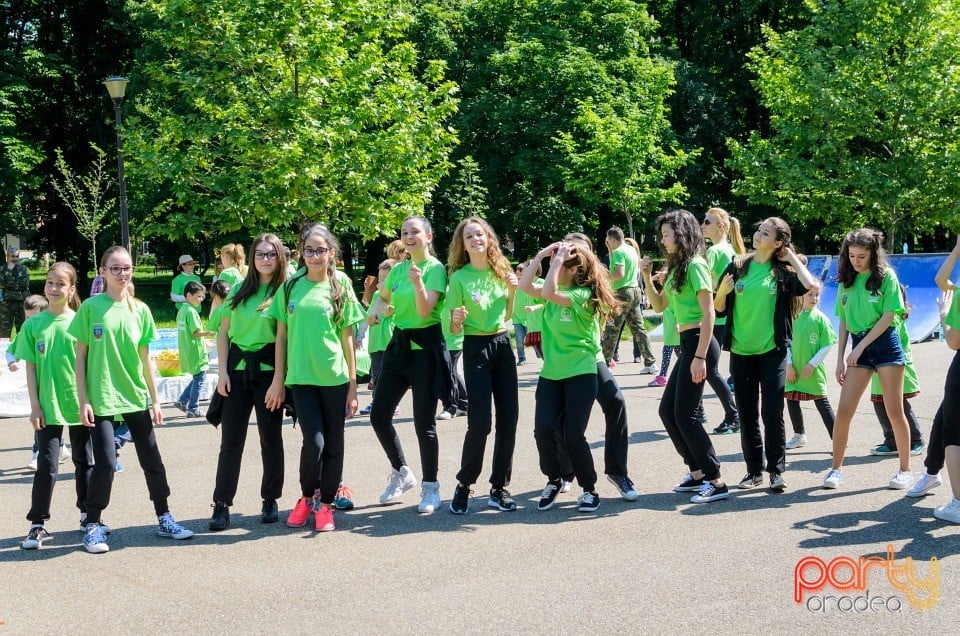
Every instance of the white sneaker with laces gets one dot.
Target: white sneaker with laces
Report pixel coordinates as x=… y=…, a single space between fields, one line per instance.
x=171 y=529
x=32 y=464
x=444 y=415
x=649 y=370
x=430 y=497
x=400 y=482
x=924 y=485
x=35 y=538
x=95 y=540
x=797 y=441
x=950 y=512
x=833 y=479
x=902 y=480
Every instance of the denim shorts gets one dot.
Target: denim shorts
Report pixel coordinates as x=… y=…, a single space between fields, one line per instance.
x=885 y=351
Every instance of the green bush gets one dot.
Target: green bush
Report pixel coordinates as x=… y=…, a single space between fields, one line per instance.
x=147 y=260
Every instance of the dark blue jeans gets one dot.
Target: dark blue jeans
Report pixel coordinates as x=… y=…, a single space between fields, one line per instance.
x=190 y=397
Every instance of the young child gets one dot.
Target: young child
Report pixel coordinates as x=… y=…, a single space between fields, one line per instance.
x=813 y=337
x=458 y=404
x=868 y=300
x=380 y=331
x=533 y=308
x=671 y=338
x=186 y=265
x=50 y=355
x=114 y=380
x=193 y=352
x=218 y=293
x=519 y=319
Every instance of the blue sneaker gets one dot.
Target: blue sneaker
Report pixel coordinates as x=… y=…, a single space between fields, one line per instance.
x=344 y=498
x=366 y=410
x=117 y=466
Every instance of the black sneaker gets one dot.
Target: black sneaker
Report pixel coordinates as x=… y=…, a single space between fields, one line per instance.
x=689 y=484
x=727 y=427
x=709 y=492
x=549 y=494
x=588 y=502
x=777 y=484
x=461 y=500
x=701 y=415
x=269 y=512
x=625 y=486
x=36 y=537
x=750 y=480
x=221 y=517
x=501 y=500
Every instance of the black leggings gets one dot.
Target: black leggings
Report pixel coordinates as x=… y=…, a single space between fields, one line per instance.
x=321 y=411
x=50 y=439
x=760 y=380
x=916 y=436
x=460 y=387
x=823 y=407
x=400 y=373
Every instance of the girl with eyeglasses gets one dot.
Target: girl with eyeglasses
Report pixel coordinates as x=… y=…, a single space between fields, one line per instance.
x=115 y=381
x=248 y=381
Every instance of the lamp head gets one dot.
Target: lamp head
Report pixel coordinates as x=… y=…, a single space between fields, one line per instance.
x=116 y=86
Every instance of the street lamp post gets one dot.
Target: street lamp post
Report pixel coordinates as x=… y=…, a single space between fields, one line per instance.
x=117 y=86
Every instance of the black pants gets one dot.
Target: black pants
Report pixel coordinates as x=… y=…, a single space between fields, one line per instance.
x=491 y=373
x=50 y=438
x=935 y=447
x=760 y=381
x=100 y=475
x=321 y=411
x=460 y=402
x=562 y=413
x=233 y=437
x=823 y=407
x=678 y=407
x=400 y=373
x=916 y=437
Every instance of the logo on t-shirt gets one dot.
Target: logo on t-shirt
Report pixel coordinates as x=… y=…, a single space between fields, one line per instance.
x=395 y=287
x=874 y=297
x=739 y=288
x=98 y=331
x=475 y=296
x=566 y=314
x=290 y=308
x=843 y=301
x=41 y=347
x=813 y=338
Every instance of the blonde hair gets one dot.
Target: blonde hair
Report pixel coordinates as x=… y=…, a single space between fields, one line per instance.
x=731 y=227
x=396 y=251
x=73 y=302
x=458 y=256
x=237 y=255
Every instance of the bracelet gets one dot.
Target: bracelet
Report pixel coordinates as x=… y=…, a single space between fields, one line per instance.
x=700 y=357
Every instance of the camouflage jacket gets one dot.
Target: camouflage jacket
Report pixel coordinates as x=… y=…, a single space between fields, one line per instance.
x=14 y=283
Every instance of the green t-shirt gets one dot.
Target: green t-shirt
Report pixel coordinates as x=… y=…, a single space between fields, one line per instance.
x=114 y=333
x=14 y=343
x=231 y=276
x=753 y=310
x=454 y=342
x=520 y=315
x=402 y=297
x=193 y=353
x=483 y=295
x=251 y=325
x=379 y=336
x=216 y=316
x=626 y=256
x=911 y=384
x=952 y=319
x=719 y=257
x=535 y=317
x=571 y=336
x=671 y=337
x=685 y=304
x=180 y=282
x=860 y=309
x=45 y=342
x=812 y=332
x=314 y=352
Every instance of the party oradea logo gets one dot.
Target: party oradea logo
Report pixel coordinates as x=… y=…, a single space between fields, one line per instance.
x=852 y=577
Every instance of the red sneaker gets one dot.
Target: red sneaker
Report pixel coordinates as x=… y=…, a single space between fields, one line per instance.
x=298 y=516
x=658 y=381
x=323 y=516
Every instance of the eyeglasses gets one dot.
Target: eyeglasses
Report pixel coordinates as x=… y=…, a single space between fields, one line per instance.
x=320 y=251
x=116 y=270
x=265 y=256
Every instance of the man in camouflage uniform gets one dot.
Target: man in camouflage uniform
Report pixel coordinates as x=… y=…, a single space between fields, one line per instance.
x=15 y=286
x=624 y=281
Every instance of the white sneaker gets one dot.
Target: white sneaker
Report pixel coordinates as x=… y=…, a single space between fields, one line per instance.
x=950 y=512
x=400 y=482
x=32 y=464
x=429 y=497
x=565 y=485
x=650 y=370
x=833 y=479
x=902 y=480
x=797 y=441
x=64 y=453
x=924 y=485
x=168 y=527
x=95 y=540
x=444 y=415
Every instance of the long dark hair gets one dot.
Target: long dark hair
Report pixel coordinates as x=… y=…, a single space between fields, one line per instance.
x=336 y=289
x=781 y=270
x=689 y=240
x=867 y=239
x=251 y=282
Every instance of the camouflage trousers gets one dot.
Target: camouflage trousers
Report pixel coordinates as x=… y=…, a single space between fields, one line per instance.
x=631 y=313
x=11 y=315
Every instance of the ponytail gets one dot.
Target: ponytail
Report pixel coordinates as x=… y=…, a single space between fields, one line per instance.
x=736 y=238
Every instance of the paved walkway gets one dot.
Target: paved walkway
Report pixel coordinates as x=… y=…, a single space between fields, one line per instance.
x=658 y=565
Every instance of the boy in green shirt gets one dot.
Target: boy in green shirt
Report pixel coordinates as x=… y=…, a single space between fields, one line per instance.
x=193 y=352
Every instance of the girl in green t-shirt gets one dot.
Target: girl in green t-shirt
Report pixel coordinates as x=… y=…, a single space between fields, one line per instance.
x=758 y=293
x=50 y=353
x=416 y=359
x=578 y=298
x=868 y=300
x=316 y=315
x=234 y=262
x=186 y=265
x=115 y=380
x=688 y=291
x=480 y=297
x=248 y=381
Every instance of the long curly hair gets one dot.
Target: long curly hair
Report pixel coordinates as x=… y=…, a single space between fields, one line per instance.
x=689 y=240
x=867 y=239
x=458 y=256
x=251 y=282
x=590 y=273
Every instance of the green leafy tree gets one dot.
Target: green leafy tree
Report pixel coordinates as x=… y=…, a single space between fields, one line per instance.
x=85 y=195
x=865 y=108
x=267 y=113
